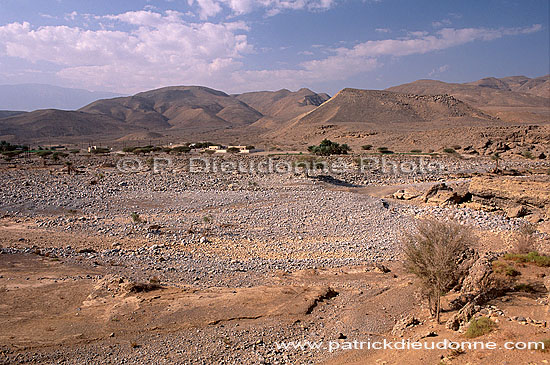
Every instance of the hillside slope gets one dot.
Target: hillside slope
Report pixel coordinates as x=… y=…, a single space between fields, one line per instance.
x=57 y=123
x=181 y=107
x=362 y=111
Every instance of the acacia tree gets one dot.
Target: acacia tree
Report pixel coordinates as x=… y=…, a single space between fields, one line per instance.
x=433 y=253
x=327 y=148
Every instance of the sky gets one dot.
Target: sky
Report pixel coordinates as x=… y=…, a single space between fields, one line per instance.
x=127 y=46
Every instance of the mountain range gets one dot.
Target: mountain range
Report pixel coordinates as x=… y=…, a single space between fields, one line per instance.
x=287 y=118
x=28 y=97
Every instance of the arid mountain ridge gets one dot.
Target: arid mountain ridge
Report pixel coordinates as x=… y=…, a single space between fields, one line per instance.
x=289 y=118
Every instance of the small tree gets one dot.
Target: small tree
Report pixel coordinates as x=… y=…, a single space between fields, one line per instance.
x=496 y=157
x=433 y=253
x=327 y=148
x=70 y=167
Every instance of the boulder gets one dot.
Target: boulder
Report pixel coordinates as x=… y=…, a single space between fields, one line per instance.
x=517 y=212
x=475 y=283
x=409 y=321
x=444 y=197
x=462 y=317
x=432 y=191
x=405 y=194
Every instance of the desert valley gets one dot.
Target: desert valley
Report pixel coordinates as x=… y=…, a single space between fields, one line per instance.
x=131 y=230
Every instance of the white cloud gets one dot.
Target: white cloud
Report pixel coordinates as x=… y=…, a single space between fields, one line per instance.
x=163 y=49
x=347 y=62
x=439 y=70
x=441 y=23
x=383 y=30
x=209 y=8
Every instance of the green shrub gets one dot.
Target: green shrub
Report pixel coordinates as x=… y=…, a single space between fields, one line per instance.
x=6 y=146
x=327 y=148
x=416 y=151
x=526 y=288
x=44 y=153
x=479 y=327
x=366 y=147
x=449 y=150
x=100 y=151
x=382 y=149
x=181 y=149
x=11 y=154
x=531 y=257
x=75 y=151
x=141 y=150
x=545 y=345
x=510 y=271
x=200 y=145
x=528 y=154
x=136 y=218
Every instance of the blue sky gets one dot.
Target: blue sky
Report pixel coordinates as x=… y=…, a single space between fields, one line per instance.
x=243 y=45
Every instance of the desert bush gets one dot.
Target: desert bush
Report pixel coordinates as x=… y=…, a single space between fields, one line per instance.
x=327 y=148
x=199 y=145
x=6 y=147
x=510 y=271
x=128 y=149
x=432 y=252
x=141 y=150
x=366 y=147
x=479 y=327
x=526 y=240
x=545 y=346
x=11 y=154
x=526 y=288
x=153 y=284
x=531 y=257
x=503 y=268
x=136 y=218
x=416 y=151
x=74 y=151
x=380 y=149
x=449 y=150
x=528 y=154
x=44 y=153
x=233 y=150
x=250 y=148
x=180 y=149
x=100 y=151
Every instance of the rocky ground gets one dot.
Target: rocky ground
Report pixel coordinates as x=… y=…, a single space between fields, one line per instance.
x=111 y=265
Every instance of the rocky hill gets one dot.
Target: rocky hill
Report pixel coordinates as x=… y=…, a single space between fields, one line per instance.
x=516 y=99
x=43 y=124
x=361 y=112
x=283 y=104
x=182 y=107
